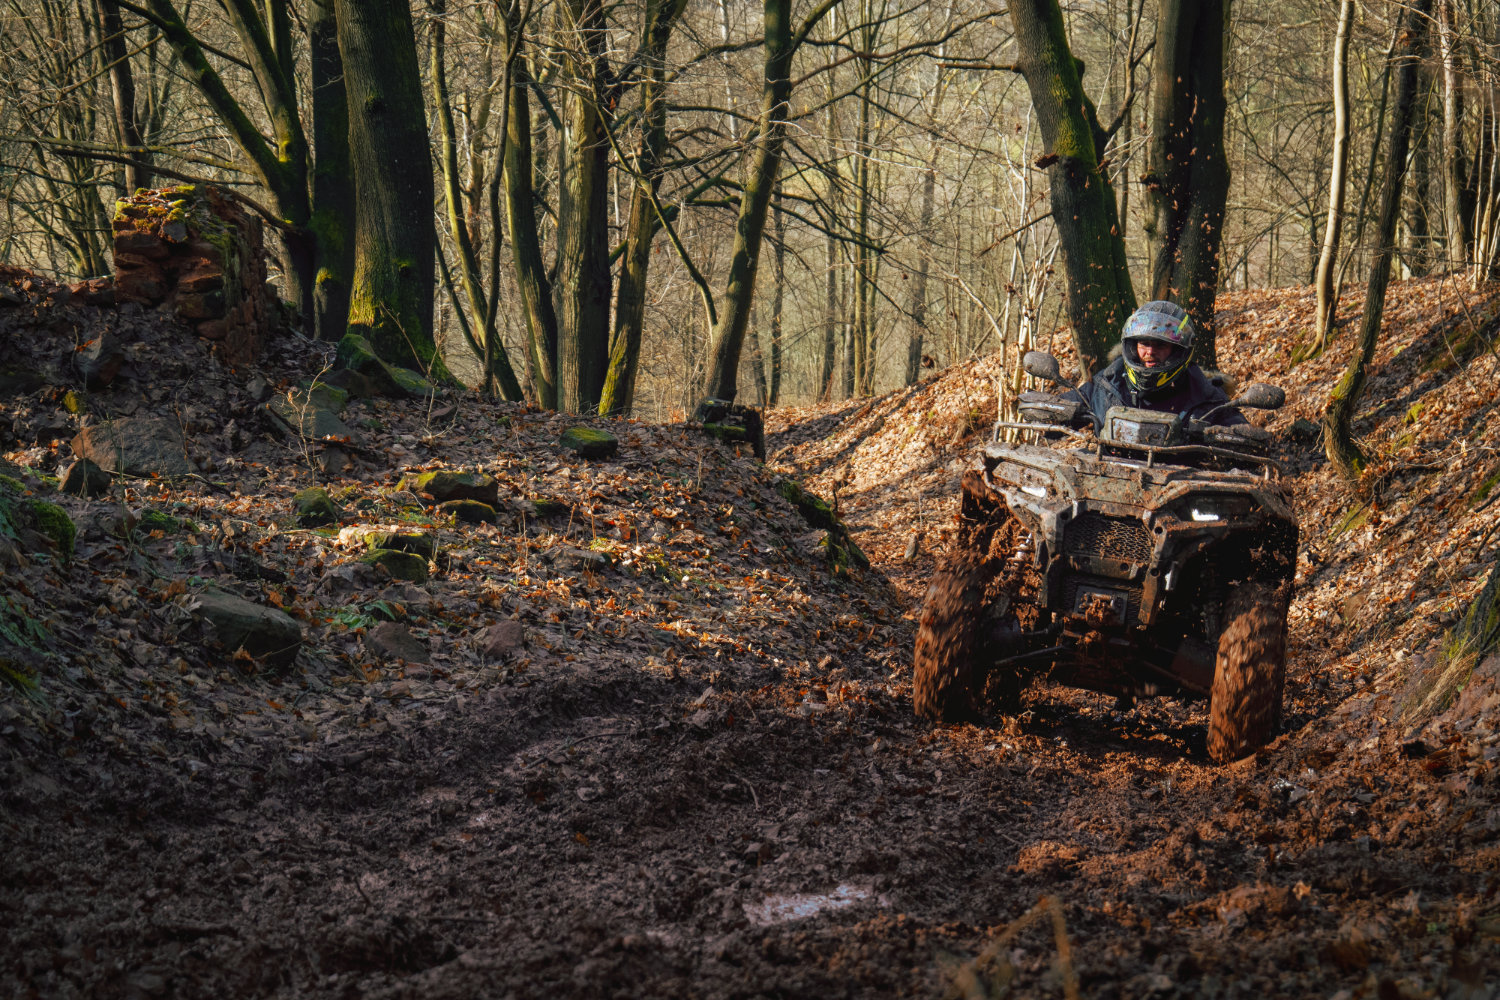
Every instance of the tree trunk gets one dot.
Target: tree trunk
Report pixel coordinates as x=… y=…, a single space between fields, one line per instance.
x=1338 y=415
x=1328 y=258
x=122 y=88
x=1096 y=275
x=729 y=334
x=830 y=318
x=1417 y=232
x=392 y=294
x=526 y=249
x=630 y=295
x=778 y=300
x=583 y=274
x=331 y=238
x=919 y=283
x=1456 y=209
x=1187 y=174
x=498 y=375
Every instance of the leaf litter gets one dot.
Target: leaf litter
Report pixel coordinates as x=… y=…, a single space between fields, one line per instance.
x=709 y=719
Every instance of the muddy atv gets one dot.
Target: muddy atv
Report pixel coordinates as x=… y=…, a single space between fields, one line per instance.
x=1151 y=556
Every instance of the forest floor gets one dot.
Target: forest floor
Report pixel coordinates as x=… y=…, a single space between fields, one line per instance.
x=698 y=775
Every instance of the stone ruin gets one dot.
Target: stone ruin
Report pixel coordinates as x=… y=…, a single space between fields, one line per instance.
x=195 y=252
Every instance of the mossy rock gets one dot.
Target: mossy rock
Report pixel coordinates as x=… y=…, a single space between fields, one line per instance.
x=54 y=522
x=814 y=511
x=409 y=383
x=840 y=552
x=399 y=541
x=469 y=512
x=325 y=396
x=401 y=565
x=156 y=520
x=444 y=485
x=587 y=442
x=356 y=354
x=546 y=507
x=12 y=483
x=314 y=508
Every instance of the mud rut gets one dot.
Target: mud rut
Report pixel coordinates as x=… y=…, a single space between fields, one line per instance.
x=616 y=832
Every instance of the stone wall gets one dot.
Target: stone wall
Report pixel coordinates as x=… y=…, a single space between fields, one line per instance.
x=194 y=251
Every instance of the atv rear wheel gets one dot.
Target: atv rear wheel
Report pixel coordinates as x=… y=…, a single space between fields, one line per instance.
x=944 y=687
x=1245 y=703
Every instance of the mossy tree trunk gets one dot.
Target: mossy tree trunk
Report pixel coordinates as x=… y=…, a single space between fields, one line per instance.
x=1096 y=276
x=583 y=273
x=618 y=395
x=392 y=294
x=1338 y=414
x=1187 y=174
x=532 y=283
x=333 y=174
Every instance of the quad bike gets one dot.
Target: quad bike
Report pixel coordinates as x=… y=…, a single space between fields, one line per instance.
x=1152 y=556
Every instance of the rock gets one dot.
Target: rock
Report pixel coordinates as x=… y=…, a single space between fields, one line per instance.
x=10 y=297
x=85 y=479
x=348 y=578
x=314 y=508
x=401 y=565
x=258 y=389
x=267 y=634
x=303 y=414
x=332 y=462
x=586 y=442
x=443 y=486
x=136 y=446
x=356 y=354
x=501 y=641
x=571 y=557
x=393 y=641
x=469 y=512
x=357 y=385
x=20 y=382
x=99 y=361
x=1305 y=430
x=156 y=520
x=734 y=423
x=94 y=292
x=37 y=524
x=546 y=507
x=329 y=397
x=415 y=542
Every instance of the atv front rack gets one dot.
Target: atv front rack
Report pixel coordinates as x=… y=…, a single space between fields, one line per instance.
x=1151 y=451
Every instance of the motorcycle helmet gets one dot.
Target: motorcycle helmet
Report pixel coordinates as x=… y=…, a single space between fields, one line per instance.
x=1165 y=323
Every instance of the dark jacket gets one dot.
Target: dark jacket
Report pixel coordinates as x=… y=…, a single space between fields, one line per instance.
x=1191 y=395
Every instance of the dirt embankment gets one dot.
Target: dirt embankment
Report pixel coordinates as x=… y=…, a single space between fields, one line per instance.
x=696 y=772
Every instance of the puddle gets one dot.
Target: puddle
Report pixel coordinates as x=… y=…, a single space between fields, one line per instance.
x=798 y=906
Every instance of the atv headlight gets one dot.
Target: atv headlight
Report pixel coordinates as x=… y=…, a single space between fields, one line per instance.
x=1037 y=491
x=1216 y=508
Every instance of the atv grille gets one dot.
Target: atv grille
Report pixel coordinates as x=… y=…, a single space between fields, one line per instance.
x=1095 y=534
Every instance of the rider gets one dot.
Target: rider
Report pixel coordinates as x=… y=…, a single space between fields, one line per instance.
x=1155 y=371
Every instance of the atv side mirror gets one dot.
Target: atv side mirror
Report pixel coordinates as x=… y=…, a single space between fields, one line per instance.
x=1261 y=396
x=1043 y=366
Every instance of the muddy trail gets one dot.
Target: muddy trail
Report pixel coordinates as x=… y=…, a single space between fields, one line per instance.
x=692 y=769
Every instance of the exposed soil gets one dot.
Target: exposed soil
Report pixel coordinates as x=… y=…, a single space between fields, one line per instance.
x=702 y=776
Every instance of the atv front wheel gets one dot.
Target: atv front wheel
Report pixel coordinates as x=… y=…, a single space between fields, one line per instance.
x=1245 y=703
x=943 y=681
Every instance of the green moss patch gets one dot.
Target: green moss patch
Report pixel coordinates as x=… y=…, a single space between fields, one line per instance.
x=401 y=565
x=588 y=442
x=314 y=508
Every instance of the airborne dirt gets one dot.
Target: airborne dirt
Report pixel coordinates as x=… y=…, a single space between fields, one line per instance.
x=701 y=776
